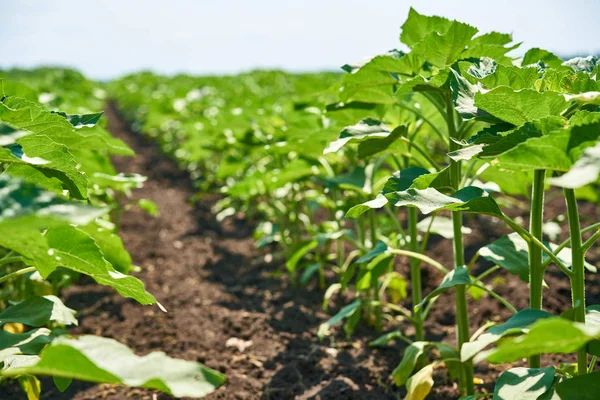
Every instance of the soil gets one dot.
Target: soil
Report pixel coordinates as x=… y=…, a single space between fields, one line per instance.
x=216 y=286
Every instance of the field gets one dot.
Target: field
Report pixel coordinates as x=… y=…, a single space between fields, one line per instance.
x=420 y=225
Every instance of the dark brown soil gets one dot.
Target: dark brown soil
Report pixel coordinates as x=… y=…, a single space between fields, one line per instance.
x=217 y=286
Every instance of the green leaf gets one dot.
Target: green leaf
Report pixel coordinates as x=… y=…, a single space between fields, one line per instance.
x=511 y=252
x=417 y=26
x=81 y=120
x=30 y=244
x=519 y=107
x=356 y=179
x=292 y=262
x=444 y=49
x=76 y=250
x=514 y=77
x=470 y=199
x=26 y=115
x=379 y=248
x=515 y=324
x=62 y=384
x=456 y=277
x=358 y=210
x=535 y=55
x=149 y=206
x=403 y=179
x=96 y=359
x=386 y=338
x=51 y=158
x=373 y=146
x=558 y=150
x=371 y=273
x=524 y=383
x=581 y=387
x=409 y=360
x=38 y=311
x=419 y=385
x=345 y=312
x=551 y=335
x=111 y=246
x=29 y=343
x=366 y=129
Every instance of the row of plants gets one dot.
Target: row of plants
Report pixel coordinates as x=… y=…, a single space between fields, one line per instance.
x=454 y=125
x=60 y=197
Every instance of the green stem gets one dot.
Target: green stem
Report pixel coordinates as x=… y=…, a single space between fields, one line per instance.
x=578 y=278
x=462 y=311
x=16 y=273
x=532 y=240
x=536 y=268
x=372 y=225
x=586 y=246
x=588 y=243
x=421 y=257
x=9 y=260
x=415 y=274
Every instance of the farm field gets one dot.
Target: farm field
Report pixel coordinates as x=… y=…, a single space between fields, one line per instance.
x=420 y=225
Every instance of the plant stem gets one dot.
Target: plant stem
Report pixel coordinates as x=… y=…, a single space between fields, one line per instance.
x=372 y=229
x=415 y=274
x=421 y=257
x=536 y=268
x=16 y=273
x=578 y=278
x=8 y=260
x=462 y=311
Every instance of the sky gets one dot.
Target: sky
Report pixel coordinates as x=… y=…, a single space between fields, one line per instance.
x=108 y=38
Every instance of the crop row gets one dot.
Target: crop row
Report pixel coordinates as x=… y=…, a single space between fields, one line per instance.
x=455 y=126
x=348 y=174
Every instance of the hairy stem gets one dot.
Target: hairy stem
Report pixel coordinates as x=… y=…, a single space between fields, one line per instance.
x=578 y=278
x=462 y=311
x=536 y=268
x=415 y=274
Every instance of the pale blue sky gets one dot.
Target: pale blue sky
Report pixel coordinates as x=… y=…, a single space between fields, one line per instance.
x=109 y=38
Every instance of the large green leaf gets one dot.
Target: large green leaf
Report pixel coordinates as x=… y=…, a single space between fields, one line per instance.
x=444 y=49
x=409 y=360
x=524 y=383
x=38 y=311
x=470 y=199
x=514 y=325
x=28 y=343
x=551 y=335
x=399 y=181
x=511 y=252
x=51 y=158
x=96 y=359
x=417 y=26
x=519 y=107
x=30 y=244
x=535 y=55
x=73 y=131
x=76 y=250
x=582 y=387
x=111 y=246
